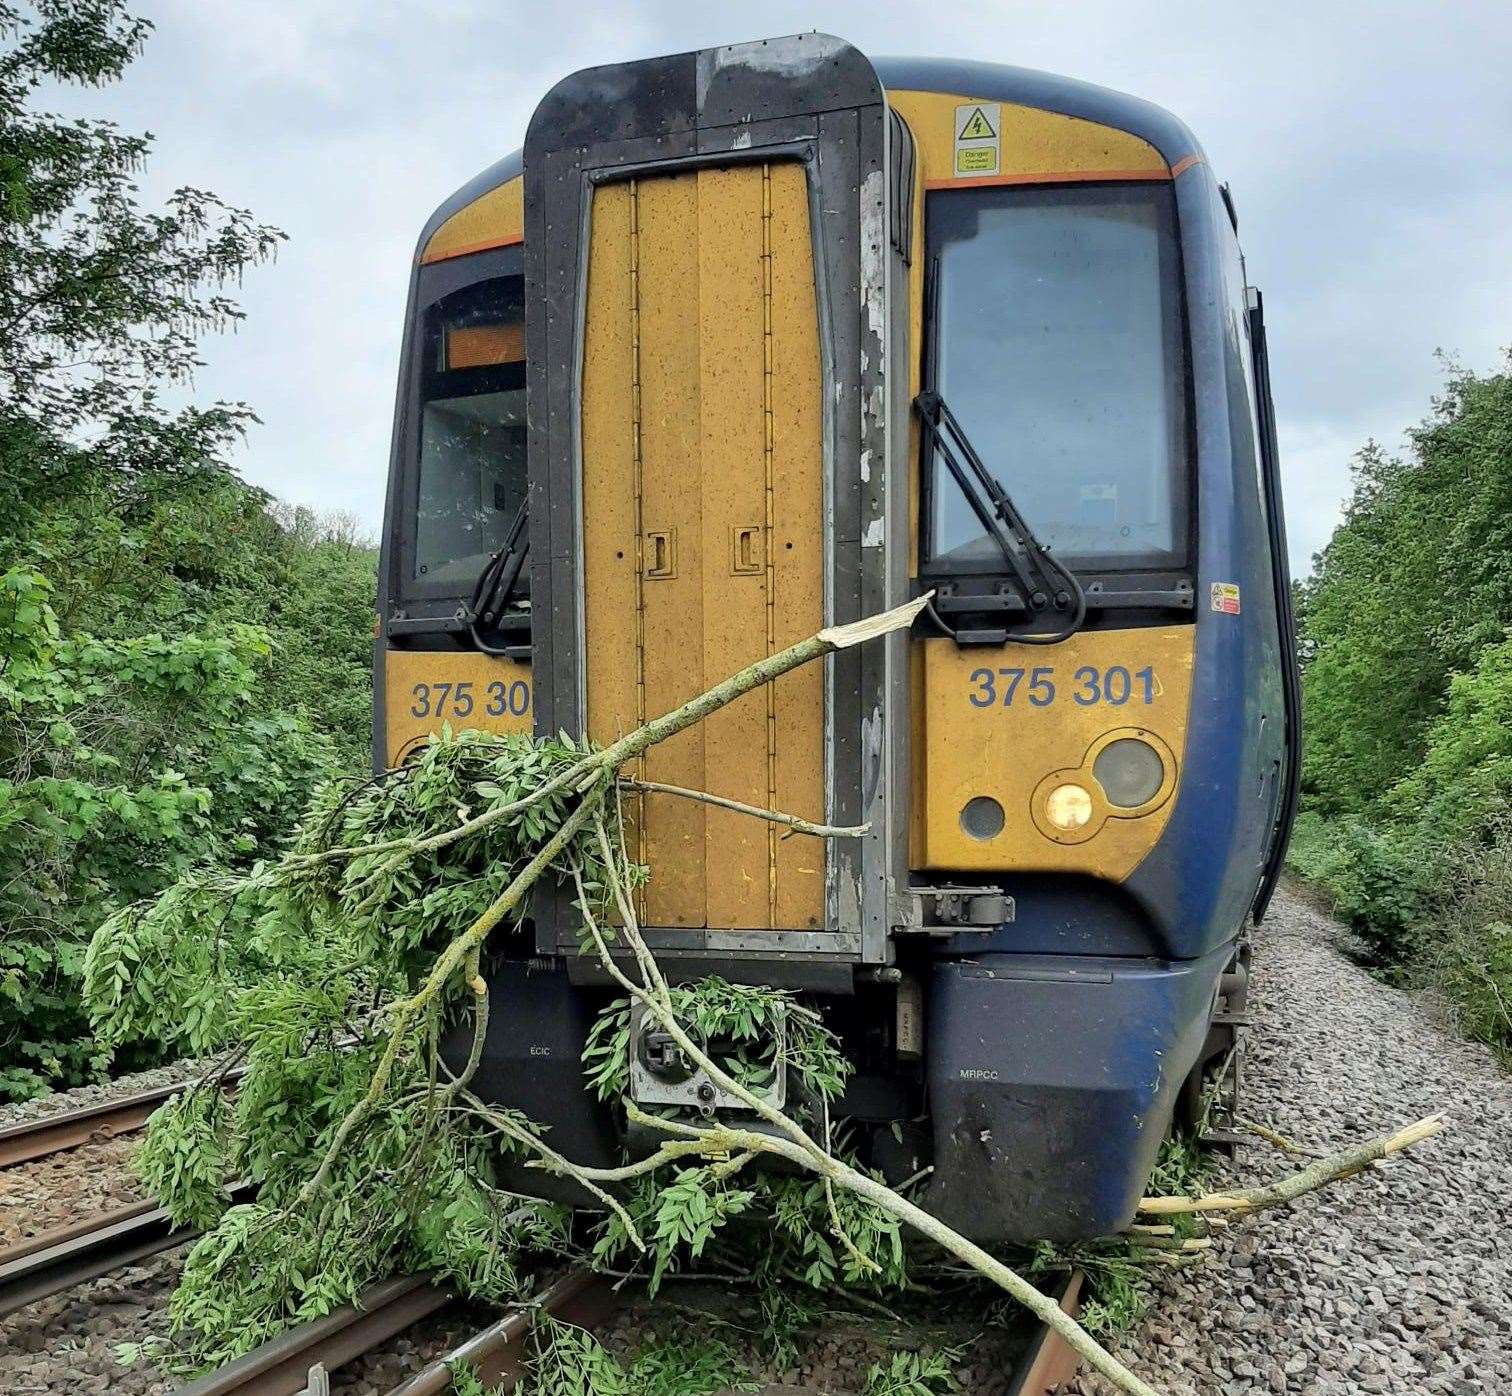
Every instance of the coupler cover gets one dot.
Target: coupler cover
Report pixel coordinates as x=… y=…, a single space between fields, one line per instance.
x=1052 y=1084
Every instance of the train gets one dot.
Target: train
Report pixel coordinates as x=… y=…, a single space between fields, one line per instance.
x=754 y=339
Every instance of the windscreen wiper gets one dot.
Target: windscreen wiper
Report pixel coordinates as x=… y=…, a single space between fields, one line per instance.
x=497 y=581
x=1045 y=581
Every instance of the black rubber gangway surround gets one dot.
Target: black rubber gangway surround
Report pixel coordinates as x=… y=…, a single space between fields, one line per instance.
x=816 y=101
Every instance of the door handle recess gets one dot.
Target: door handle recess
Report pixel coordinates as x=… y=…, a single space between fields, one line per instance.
x=661 y=554
x=745 y=550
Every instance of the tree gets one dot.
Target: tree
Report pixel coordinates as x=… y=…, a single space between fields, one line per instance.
x=102 y=303
x=173 y=651
x=1410 y=588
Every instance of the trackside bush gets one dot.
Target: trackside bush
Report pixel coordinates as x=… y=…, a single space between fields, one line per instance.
x=124 y=764
x=1406 y=629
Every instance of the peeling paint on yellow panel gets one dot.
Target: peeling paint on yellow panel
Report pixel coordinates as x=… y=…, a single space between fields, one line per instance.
x=424 y=690
x=1012 y=723
x=1037 y=146
x=496 y=219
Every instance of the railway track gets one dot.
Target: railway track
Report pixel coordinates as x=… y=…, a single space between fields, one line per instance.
x=58 y=1259
x=34 y=1139
x=302 y=1359
x=85 y=1250
x=300 y=1362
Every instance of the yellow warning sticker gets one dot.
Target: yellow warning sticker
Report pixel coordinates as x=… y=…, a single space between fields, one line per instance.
x=1224 y=597
x=977 y=127
x=978 y=141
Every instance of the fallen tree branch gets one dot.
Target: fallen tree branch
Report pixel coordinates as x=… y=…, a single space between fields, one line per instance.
x=630 y=746
x=1326 y=1170
x=797 y=1146
x=793 y=822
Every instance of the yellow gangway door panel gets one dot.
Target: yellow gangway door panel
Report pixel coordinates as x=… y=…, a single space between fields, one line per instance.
x=702 y=500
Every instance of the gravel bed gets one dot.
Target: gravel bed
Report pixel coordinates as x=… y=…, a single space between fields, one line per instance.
x=1397 y=1281
x=61 y=1101
x=67 y=1344
x=66 y=1187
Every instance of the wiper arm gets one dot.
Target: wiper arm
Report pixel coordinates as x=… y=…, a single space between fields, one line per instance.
x=1045 y=580
x=497 y=581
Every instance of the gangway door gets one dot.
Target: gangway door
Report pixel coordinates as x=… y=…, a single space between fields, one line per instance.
x=702 y=504
x=708 y=263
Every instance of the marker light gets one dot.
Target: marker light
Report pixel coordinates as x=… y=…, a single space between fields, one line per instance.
x=982 y=817
x=1068 y=807
x=1130 y=772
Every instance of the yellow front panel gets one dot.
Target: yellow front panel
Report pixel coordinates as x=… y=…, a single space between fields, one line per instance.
x=495 y=219
x=795 y=596
x=611 y=509
x=731 y=339
x=425 y=690
x=999 y=721
x=702 y=523
x=672 y=546
x=1037 y=147
x=960 y=750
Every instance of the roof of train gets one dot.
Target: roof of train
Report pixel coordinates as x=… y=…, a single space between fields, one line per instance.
x=996 y=82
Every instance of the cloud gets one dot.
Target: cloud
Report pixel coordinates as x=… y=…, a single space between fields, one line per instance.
x=1367 y=149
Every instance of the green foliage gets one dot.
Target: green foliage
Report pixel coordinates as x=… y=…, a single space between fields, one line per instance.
x=570 y=1361
x=123 y=764
x=1412 y=586
x=302 y=959
x=182 y=1158
x=1118 y=1289
x=1181 y=1166
x=1471 y=957
x=1120 y=1296
x=1383 y=880
x=465 y=1381
x=910 y=1373
x=685 y=1363
x=87 y=276
x=180 y=659
x=1407 y=633
x=297 y=964
x=754 y=1033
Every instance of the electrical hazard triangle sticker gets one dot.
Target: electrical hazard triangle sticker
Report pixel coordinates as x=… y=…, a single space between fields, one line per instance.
x=977 y=128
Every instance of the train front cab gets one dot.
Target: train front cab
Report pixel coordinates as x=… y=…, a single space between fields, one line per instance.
x=723 y=453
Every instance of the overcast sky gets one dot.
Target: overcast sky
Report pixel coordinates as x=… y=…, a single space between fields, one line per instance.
x=1369 y=147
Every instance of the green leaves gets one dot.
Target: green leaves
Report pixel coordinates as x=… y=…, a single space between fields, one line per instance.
x=914 y=1373
x=570 y=1361
x=689 y=1210
x=124 y=763
x=182 y=1157
x=753 y=1031
x=1408 y=702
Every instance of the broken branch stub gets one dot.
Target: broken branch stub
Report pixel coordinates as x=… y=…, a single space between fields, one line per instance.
x=1332 y=1169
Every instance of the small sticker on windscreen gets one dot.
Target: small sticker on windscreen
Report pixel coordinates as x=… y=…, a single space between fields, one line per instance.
x=1226 y=598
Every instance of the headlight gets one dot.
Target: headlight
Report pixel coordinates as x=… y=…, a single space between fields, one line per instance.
x=1130 y=772
x=1068 y=806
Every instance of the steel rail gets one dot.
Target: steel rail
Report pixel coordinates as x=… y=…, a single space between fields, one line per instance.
x=495 y=1353
x=52 y=1134
x=1049 y=1362
x=55 y=1260
x=282 y=1366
